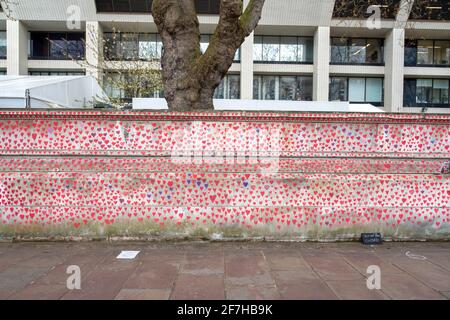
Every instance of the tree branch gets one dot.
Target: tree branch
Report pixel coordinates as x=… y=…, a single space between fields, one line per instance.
x=251 y=16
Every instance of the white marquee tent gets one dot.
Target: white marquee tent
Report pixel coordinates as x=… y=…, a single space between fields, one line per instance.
x=49 y=92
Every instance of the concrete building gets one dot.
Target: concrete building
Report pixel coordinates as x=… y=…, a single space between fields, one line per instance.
x=322 y=50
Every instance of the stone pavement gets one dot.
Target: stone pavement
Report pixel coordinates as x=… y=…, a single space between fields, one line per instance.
x=225 y=270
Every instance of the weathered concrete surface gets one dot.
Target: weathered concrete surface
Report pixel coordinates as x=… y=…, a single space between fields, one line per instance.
x=84 y=175
x=225 y=271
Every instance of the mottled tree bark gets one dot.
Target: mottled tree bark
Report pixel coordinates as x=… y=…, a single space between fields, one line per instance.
x=190 y=77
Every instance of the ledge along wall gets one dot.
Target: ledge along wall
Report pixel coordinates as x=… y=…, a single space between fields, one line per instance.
x=297 y=176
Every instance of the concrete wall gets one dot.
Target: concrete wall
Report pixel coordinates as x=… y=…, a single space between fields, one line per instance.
x=300 y=176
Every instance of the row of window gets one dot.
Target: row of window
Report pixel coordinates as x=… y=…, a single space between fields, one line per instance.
x=145 y=6
x=132 y=46
x=357 y=51
x=418 y=92
x=426 y=92
x=57 y=45
x=295 y=88
x=271 y=49
x=427 y=53
x=423 y=10
x=141 y=46
x=283 y=49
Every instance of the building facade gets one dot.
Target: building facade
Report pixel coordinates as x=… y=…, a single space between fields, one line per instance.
x=322 y=50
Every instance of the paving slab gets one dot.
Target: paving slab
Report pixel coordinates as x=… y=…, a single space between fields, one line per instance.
x=306 y=289
x=405 y=287
x=198 y=287
x=16 y=278
x=143 y=294
x=41 y=292
x=153 y=275
x=252 y=292
x=333 y=268
x=355 y=290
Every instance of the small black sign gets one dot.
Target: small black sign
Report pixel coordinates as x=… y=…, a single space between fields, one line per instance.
x=371 y=238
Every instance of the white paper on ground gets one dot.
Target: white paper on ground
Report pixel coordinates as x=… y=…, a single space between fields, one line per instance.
x=128 y=255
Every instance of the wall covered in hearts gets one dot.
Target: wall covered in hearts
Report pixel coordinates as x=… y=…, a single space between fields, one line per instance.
x=296 y=176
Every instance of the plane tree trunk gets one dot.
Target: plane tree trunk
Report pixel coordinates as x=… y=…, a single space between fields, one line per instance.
x=190 y=77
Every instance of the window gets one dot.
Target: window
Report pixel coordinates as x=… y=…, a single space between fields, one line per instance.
x=132 y=46
x=147 y=46
x=431 y=10
x=426 y=92
x=358 y=8
x=357 y=51
x=56 y=73
x=411 y=53
x=427 y=53
x=294 y=88
x=207 y=6
x=276 y=49
x=424 y=52
x=271 y=49
x=288 y=49
x=338 y=89
x=374 y=90
x=2 y=44
x=116 y=87
x=131 y=6
x=56 y=45
x=204 y=42
x=229 y=88
x=145 y=6
x=357 y=90
x=442 y=53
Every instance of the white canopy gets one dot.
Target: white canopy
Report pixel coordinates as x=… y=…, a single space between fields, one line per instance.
x=49 y=91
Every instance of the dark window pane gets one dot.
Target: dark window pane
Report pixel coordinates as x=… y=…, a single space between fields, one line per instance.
x=358 y=8
x=214 y=6
x=339 y=50
x=75 y=45
x=121 y=5
x=424 y=90
x=104 y=5
x=425 y=52
x=409 y=98
x=234 y=87
x=440 y=91
x=374 y=51
x=411 y=53
x=268 y=88
x=139 y=6
x=58 y=46
x=442 y=52
x=202 y=6
x=39 y=45
x=431 y=10
x=357 y=51
x=2 y=44
x=338 y=89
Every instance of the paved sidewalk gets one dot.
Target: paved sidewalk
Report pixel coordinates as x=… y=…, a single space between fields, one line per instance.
x=225 y=271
